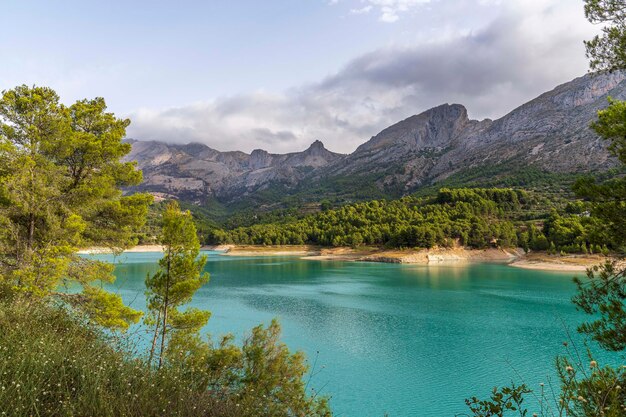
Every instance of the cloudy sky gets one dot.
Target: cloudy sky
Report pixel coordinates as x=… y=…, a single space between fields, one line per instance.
x=279 y=74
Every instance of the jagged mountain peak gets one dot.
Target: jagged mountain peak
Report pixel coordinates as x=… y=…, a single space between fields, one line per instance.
x=317 y=145
x=317 y=148
x=447 y=111
x=193 y=147
x=433 y=128
x=259 y=159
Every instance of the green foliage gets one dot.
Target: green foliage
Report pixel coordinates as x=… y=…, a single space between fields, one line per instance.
x=586 y=389
x=263 y=375
x=537 y=240
x=590 y=390
x=512 y=173
x=179 y=277
x=60 y=179
x=604 y=292
x=607 y=51
x=502 y=401
x=252 y=217
x=574 y=233
x=109 y=308
x=477 y=218
x=611 y=125
x=608 y=199
x=54 y=364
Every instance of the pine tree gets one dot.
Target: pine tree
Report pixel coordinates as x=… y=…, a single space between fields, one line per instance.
x=607 y=51
x=60 y=189
x=179 y=277
x=552 y=249
x=603 y=292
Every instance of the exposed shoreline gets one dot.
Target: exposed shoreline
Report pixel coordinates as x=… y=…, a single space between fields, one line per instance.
x=512 y=257
x=135 y=249
x=569 y=263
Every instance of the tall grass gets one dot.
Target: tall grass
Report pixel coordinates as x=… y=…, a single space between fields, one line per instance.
x=53 y=364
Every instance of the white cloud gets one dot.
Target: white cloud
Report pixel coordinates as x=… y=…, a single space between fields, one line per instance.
x=388 y=15
x=362 y=10
x=390 y=10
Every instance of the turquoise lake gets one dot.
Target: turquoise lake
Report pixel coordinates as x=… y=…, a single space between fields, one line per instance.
x=399 y=339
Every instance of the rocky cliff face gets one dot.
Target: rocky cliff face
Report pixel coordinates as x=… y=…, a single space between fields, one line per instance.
x=195 y=171
x=550 y=132
x=412 y=146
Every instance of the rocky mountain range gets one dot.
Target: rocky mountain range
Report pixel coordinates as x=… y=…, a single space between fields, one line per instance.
x=550 y=133
x=195 y=171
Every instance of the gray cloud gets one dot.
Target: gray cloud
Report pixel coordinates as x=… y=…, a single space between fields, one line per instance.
x=531 y=47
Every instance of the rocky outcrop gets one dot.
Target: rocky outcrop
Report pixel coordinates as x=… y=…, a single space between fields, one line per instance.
x=411 y=147
x=550 y=132
x=435 y=128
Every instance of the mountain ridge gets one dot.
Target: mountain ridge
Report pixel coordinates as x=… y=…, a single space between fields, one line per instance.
x=549 y=132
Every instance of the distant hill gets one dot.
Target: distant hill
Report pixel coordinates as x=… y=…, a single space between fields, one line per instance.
x=549 y=134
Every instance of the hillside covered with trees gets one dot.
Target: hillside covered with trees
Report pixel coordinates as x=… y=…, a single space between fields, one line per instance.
x=475 y=218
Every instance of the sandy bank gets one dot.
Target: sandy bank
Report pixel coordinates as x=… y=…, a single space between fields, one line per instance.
x=567 y=263
x=252 y=250
x=442 y=255
x=513 y=257
x=373 y=254
x=149 y=248
x=135 y=249
x=219 y=248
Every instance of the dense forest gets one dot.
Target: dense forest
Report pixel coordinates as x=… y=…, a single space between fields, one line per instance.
x=475 y=218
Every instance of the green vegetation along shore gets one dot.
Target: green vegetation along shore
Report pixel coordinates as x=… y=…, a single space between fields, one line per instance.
x=475 y=218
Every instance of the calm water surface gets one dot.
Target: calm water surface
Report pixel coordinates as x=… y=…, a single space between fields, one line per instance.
x=397 y=339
